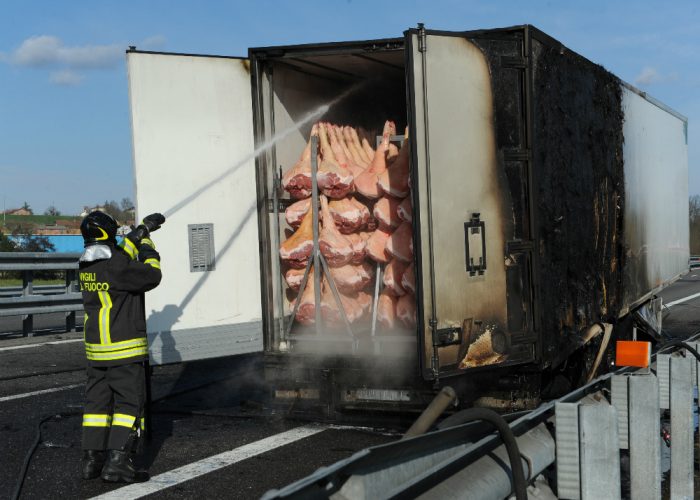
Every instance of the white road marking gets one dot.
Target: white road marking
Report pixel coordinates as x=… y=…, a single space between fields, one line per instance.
x=373 y=430
x=684 y=299
x=36 y=393
x=210 y=464
x=27 y=346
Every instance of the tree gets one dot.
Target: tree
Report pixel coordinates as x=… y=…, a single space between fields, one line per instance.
x=122 y=212
x=32 y=243
x=37 y=244
x=127 y=205
x=28 y=242
x=6 y=244
x=28 y=208
x=53 y=211
x=111 y=208
x=23 y=229
x=694 y=213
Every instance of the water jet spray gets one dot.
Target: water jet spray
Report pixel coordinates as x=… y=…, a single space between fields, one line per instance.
x=309 y=117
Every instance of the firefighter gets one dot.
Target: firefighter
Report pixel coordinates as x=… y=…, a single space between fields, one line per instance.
x=113 y=280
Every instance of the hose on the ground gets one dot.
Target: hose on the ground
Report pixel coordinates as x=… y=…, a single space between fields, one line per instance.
x=37 y=440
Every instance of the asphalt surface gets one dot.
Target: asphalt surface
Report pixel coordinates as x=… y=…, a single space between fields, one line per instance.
x=682 y=319
x=201 y=409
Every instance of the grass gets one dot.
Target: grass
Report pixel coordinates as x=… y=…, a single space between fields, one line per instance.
x=18 y=282
x=41 y=219
x=29 y=223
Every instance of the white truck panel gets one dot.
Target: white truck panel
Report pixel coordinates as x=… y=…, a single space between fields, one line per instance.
x=461 y=179
x=656 y=196
x=193 y=146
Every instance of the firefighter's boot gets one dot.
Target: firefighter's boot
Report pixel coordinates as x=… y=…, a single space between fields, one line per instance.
x=120 y=469
x=92 y=463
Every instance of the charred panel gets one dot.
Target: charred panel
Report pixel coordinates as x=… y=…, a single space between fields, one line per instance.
x=578 y=163
x=516 y=175
x=508 y=67
x=506 y=81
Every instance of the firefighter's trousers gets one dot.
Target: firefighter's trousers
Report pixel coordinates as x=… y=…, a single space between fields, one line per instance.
x=114 y=406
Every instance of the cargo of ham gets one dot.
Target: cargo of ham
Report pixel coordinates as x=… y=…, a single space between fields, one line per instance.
x=363 y=199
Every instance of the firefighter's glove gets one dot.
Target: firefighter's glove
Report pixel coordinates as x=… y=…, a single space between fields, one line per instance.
x=153 y=221
x=137 y=234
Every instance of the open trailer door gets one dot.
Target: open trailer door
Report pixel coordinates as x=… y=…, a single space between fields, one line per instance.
x=462 y=223
x=193 y=149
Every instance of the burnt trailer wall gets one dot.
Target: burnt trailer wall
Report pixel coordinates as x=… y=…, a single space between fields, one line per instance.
x=579 y=171
x=595 y=190
x=558 y=122
x=506 y=51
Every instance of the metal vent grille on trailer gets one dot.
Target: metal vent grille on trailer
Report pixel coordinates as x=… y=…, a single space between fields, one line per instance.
x=201 y=240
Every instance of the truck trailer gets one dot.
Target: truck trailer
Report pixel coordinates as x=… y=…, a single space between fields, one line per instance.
x=548 y=198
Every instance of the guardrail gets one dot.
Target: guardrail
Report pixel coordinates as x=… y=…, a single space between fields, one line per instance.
x=29 y=302
x=16 y=291
x=625 y=413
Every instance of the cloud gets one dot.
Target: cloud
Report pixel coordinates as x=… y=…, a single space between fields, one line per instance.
x=650 y=76
x=66 y=77
x=45 y=50
x=68 y=62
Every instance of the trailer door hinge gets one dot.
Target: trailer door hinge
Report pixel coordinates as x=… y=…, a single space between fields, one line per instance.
x=449 y=336
x=514 y=62
x=519 y=246
x=422 y=45
x=282 y=205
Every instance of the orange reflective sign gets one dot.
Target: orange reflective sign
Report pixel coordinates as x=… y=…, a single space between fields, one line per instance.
x=633 y=353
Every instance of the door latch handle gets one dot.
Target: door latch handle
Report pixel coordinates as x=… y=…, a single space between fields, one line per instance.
x=475 y=228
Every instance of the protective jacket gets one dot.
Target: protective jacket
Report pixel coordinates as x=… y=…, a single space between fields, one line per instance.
x=113 y=280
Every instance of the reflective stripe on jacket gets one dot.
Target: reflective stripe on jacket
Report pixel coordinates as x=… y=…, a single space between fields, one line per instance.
x=113 y=291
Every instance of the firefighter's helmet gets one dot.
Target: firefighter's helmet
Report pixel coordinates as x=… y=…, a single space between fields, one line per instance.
x=98 y=227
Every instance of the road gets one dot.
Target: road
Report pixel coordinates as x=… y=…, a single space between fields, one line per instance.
x=215 y=408
x=202 y=409
x=682 y=317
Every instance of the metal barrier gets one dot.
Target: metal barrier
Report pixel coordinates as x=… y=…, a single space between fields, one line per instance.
x=16 y=291
x=694 y=261
x=591 y=433
x=29 y=302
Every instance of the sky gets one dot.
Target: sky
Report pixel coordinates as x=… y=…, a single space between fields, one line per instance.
x=65 y=133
